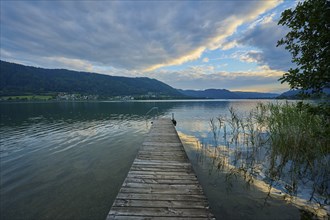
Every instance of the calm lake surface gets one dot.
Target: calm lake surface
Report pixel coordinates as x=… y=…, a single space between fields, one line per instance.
x=67 y=160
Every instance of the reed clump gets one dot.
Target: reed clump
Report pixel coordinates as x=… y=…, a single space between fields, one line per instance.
x=286 y=145
x=300 y=150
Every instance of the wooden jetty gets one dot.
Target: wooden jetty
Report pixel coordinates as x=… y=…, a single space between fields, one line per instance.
x=161 y=183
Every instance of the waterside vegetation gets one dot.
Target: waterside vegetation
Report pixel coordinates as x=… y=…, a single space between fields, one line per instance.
x=284 y=146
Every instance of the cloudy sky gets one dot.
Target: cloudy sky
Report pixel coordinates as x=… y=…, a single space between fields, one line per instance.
x=186 y=44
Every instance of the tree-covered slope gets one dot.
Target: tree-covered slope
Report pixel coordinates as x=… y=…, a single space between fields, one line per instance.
x=18 y=79
x=226 y=94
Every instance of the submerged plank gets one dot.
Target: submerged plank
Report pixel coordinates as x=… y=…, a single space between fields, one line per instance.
x=161 y=183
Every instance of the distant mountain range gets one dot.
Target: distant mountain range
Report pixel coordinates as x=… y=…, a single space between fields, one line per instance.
x=297 y=94
x=226 y=94
x=16 y=79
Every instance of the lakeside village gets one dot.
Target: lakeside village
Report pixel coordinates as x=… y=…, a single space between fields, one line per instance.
x=79 y=97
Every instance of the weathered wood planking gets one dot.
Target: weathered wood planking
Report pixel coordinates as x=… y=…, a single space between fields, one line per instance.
x=161 y=183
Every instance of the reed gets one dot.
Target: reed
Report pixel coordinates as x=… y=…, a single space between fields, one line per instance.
x=299 y=149
x=288 y=144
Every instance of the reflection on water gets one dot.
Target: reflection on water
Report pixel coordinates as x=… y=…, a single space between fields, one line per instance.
x=233 y=198
x=238 y=146
x=68 y=160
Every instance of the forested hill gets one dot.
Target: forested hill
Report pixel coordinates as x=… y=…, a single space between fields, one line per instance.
x=18 y=79
x=226 y=94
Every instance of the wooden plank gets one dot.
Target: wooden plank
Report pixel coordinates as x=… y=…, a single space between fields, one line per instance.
x=165 y=172
x=154 y=163
x=169 y=159
x=161 y=153
x=160 y=133
x=162 y=140
x=164 y=166
x=166 y=177
x=159 y=169
x=160 y=197
x=162 y=191
x=161 y=183
x=178 y=157
x=153 y=218
x=161 y=148
x=200 y=204
x=153 y=143
x=160 y=186
x=159 y=162
x=163 y=212
x=162 y=157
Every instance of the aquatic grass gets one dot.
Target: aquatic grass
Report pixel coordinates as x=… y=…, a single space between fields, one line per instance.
x=300 y=149
x=304 y=132
x=287 y=145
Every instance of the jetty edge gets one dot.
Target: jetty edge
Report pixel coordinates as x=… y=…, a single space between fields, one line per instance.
x=161 y=183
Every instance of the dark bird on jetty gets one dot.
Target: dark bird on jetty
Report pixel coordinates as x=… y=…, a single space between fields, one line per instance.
x=174 y=121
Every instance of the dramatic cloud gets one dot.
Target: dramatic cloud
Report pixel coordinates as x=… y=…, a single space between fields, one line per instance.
x=264 y=35
x=205 y=76
x=186 y=44
x=124 y=34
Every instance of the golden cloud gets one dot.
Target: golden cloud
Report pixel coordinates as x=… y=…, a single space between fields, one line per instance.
x=224 y=29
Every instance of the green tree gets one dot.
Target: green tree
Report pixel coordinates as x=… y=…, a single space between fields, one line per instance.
x=308 y=42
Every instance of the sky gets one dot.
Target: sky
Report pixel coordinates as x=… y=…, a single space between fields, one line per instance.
x=186 y=44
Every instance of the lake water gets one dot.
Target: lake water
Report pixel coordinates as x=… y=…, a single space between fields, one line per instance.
x=67 y=160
